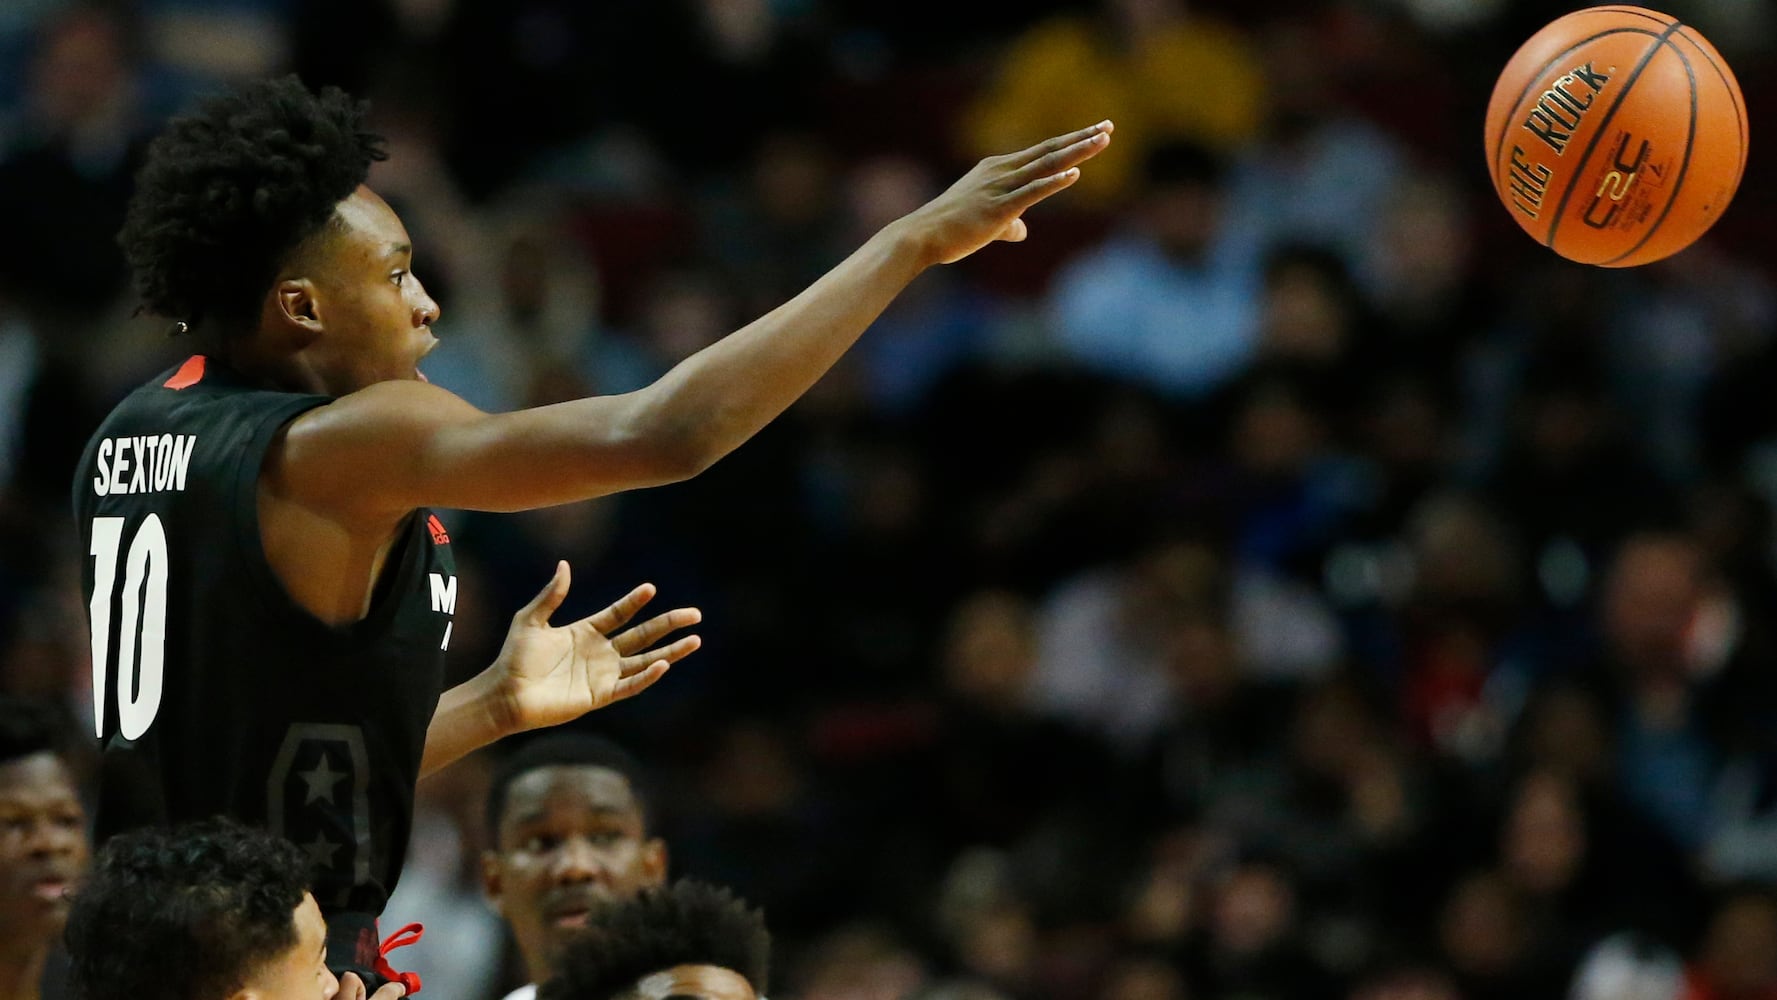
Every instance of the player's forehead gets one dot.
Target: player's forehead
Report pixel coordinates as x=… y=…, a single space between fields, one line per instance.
x=709 y=982
x=366 y=222
x=567 y=788
x=36 y=777
x=311 y=927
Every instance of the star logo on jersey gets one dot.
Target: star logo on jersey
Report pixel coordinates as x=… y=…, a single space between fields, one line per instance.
x=436 y=527
x=320 y=780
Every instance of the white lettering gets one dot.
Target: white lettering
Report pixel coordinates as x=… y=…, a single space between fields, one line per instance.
x=182 y=446
x=140 y=481
x=102 y=481
x=444 y=593
x=163 y=466
x=120 y=465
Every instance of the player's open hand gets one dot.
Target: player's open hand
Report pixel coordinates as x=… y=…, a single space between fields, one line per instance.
x=989 y=202
x=553 y=675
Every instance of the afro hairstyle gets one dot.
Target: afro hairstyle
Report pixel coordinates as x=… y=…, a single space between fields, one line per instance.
x=228 y=191
x=685 y=923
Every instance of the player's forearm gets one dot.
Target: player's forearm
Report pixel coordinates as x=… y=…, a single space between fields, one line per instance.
x=469 y=716
x=712 y=402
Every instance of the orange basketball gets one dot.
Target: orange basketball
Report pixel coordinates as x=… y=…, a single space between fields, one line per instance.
x=1616 y=136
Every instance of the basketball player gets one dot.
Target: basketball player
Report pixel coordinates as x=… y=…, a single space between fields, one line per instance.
x=42 y=845
x=570 y=822
x=688 y=940
x=206 y=911
x=270 y=598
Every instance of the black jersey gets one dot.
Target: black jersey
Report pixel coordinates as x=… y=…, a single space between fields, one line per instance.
x=216 y=693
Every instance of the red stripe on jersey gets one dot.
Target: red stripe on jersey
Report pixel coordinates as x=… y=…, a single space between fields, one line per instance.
x=189 y=374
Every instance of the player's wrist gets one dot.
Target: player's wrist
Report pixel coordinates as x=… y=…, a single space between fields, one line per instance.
x=909 y=239
x=501 y=706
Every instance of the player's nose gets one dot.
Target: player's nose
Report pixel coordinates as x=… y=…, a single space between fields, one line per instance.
x=425 y=311
x=578 y=861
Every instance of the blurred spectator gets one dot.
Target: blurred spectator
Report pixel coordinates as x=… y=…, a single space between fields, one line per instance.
x=1159 y=68
x=1105 y=640
x=1737 y=957
x=859 y=962
x=65 y=170
x=1172 y=298
x=1317 y=172
x=440 y=886
x=1628 y=967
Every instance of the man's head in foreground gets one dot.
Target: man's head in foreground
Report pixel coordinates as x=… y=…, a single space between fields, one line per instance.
x=687 y=941
x=571 y=827
x=43 y=845
x=209 y=911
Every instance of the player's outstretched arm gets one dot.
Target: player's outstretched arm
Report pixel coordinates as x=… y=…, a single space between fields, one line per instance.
x=397 y=445
x=546 y=675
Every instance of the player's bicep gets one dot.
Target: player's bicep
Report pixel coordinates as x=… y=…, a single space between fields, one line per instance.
x=400 y=445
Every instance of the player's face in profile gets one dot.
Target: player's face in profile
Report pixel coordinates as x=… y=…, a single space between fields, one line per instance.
x=375 y=312
x=572 y=840
x=301 y=972
x=43 y=846
x=709 y=982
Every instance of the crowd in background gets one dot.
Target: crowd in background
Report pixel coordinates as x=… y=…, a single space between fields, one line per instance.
x=1278 y=578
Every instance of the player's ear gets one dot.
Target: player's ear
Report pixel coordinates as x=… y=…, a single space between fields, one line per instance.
x=654 y=859
x=493 y=878
x=298 y=304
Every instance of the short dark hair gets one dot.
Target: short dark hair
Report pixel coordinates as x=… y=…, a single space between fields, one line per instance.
x=564 y=749
x=686 y=923
x=29 y=727
x=229 y=190
x=187 y=913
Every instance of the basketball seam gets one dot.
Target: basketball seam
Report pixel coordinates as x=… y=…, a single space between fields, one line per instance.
x=1684 y=165
x=1734 y=98
x=1637 y=11
x=1505 y=127
x=1598 y=132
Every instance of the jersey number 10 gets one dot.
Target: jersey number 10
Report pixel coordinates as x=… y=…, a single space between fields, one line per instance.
x=144 y=623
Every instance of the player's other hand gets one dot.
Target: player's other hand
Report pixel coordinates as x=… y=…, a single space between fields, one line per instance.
x=352 y=988
x=988 y=203
x=550 y=675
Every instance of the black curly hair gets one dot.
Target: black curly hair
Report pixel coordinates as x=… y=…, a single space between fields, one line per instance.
x=686 y=923
x=28 y=728
x=228 y=191
x=187 y=913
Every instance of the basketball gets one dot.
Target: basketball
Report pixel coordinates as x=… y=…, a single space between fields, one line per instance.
x=1616 y=136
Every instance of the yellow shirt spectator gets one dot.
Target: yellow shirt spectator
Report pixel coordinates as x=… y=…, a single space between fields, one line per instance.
x=1155 y=71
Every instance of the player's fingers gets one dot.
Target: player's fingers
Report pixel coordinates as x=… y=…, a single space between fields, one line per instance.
x=544 y=604
x=390 y=991
x=1071 y=155
x=651 y=631
x=1060 y=142
x=681 y=648
x=612 y=618
x=1041 y=188
x=1015 y=232
x=350 y=987
x=635 y=684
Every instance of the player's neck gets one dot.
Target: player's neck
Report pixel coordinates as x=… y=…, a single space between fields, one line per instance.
x=268 y=367
x=21 y=970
